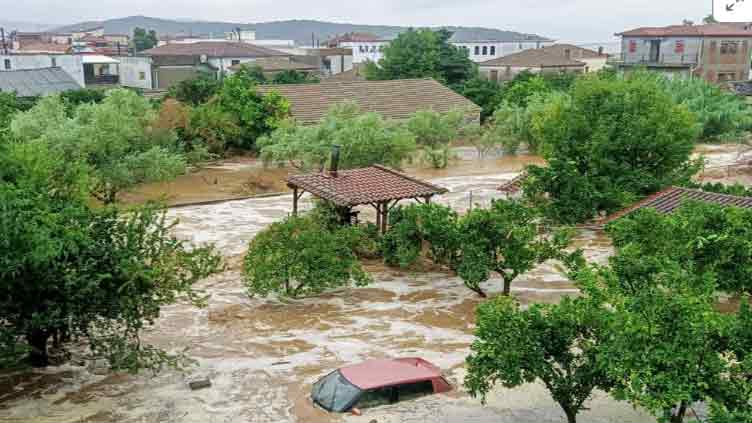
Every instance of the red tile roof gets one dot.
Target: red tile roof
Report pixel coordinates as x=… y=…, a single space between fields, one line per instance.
x=575 y=52
x=43 y=48
x=368 y=185
x=397 y=99
x=515 y=185
x=710 y=30
x=533 y=58
x=670 y=199
x=354 y=37
x=213 y=49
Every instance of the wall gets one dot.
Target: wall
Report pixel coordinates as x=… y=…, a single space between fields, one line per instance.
x=366 y=51
x=224 y=63
x=715 y=63
x=507 y=73
x=132 y=69
x=594 y=65
x=70 y=63
x=500 y=48
x=668 y=53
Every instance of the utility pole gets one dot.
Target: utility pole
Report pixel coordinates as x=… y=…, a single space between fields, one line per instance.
x=2 y=35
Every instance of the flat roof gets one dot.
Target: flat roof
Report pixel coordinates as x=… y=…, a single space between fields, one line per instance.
x=375 y=374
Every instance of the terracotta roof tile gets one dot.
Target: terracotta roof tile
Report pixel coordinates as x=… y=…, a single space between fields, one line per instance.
x=398 y=99
x=710 y=30
x=670 y=199
x=575 y=52
x=533 y=58
x=274 y=64
x=367 y=185
x=513 y=186
x=213 y=49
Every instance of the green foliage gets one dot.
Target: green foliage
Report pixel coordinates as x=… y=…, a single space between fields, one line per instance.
x=294 y=77
x=423 y=53
x=525 y=85
x=612 y=142
x=144 y=40
x=508 y=128
x=114 y=139
x=68 y=270
x=721 y=114
x=255 y=114
x=298 y=257
x=251 y=74
x=10 y=104
x=483 y=92
x=75 y=98
x=365 y=139
x=195 y=91
x=556 y=344
x=434 y=131
x=736 y=189
x=216 y=128
x=705 y=237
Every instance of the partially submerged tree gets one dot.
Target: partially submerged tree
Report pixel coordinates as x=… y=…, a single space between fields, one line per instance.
x=434 y=132
x=365 y=139
x=554 y=344
x=300 y=257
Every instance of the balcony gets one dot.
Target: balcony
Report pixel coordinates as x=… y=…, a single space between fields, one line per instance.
x=672 y=60
x=102 y=79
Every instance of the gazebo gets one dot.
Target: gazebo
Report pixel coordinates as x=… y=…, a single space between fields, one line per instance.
x=376 y=186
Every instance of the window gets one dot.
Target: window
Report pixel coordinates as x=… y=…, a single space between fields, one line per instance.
x=141 y=76
x=54 y=62
x=393 y=394
x=520 y=46
x=679 y=48
x=485 y=50
x=235 y=62
x=477 y=50
x=7 y=64
x=729 y=47
x=726 y=76
x=493 y=50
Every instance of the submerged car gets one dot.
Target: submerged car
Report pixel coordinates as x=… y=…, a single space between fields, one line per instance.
x=378 y=382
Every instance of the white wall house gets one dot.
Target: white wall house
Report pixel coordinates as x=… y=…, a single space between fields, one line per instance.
x=366 y=51
x=71 y=64
x=482 y=51
x=135 y=72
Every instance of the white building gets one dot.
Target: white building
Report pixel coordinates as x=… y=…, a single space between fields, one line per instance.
x=365 y=47
x=485 y=50
x=71 y=64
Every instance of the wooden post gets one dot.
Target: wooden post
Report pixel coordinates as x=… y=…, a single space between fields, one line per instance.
x=295 y=201
x=427 y=198
x=385 y=217
x=378 y=215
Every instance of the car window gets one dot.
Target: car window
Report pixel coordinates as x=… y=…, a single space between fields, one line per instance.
x=335 y=393
x=393 y=394
x=412 y=391
x=376 y=398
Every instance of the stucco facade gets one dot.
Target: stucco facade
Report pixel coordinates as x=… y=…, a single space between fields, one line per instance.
x=71 y=64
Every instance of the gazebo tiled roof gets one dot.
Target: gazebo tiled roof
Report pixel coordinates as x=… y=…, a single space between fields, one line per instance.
x=513 y=186
x=670 y=199
x=370 y=185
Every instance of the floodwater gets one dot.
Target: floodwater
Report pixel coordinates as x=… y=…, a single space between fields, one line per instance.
x=262 y=355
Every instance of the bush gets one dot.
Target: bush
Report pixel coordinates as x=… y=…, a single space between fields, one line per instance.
x=434 y=132
x=294 y=77
x=75 y=98
x=483 y=92
x=299 y=257
x=195 y=91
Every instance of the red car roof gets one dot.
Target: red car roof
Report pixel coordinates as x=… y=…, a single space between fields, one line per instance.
x=375 y=374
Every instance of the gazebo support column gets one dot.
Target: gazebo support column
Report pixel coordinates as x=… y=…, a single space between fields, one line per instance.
x=296 y=195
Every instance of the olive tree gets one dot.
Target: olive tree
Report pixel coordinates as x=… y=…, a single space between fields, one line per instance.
x=365 y=139
x=299 y=257
x=554 y=344
x=434 y=132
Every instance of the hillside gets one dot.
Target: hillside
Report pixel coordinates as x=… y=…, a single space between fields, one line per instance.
x=24 y=26
x=298 y=30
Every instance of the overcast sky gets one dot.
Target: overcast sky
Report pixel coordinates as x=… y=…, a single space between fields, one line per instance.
x=571 y=20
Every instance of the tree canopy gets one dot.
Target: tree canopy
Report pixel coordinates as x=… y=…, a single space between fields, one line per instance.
x=143 y=39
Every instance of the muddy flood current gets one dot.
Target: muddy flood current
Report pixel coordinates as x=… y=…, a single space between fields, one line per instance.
x=262 y=355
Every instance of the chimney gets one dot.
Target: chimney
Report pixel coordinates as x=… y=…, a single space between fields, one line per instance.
x=334 y=162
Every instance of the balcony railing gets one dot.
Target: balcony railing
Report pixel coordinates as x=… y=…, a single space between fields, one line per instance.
x=675 y=59
x=102 y=80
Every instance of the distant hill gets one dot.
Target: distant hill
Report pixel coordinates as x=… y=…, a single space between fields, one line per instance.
x=298 y=30
x=10 y=26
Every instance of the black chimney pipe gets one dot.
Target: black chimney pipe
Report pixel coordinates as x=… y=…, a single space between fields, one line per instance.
x=334 y=162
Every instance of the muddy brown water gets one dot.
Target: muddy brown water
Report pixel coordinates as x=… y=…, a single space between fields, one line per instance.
x=262 y=355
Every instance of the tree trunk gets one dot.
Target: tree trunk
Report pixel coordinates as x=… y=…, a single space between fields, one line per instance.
x=507 y=288
x=478 y=291
x=37 y=340
x=571 y=415
x=679 y=416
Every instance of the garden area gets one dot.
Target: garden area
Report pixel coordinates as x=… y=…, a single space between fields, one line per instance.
x=112 y=303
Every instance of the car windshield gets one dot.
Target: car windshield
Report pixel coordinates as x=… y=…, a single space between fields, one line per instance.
x=335 y=393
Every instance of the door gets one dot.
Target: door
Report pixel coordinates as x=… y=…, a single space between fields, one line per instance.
x=655 y=51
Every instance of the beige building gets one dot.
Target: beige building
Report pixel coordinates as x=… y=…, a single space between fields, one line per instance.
x=715 y=52
x=594 y=60
x=533 y=60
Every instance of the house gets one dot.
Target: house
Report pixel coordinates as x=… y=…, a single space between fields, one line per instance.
x=397 y=100
x=715 y=52
x=483 y=50
x=365 y=47
x=37 y=82
x=533 y=60
x=594 y=60
x=173 y=63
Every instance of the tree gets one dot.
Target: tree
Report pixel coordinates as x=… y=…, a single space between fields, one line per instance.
x=423 y=53
x=72 y=271
x=525 y=85
x=508 y=128
x=707 y=237
x=709 y=19
x=75 y=98
x=115 y=139
x=195 y=91
x=294 y=77
x=485 y=93
x=608 y=144
x=556 y=344
x=251 y=74
x=365 y=139
x=298 y=257
x=508 y=239
x=143 y=40
x=434 y=132
x=10 y=104
x=255 y=114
